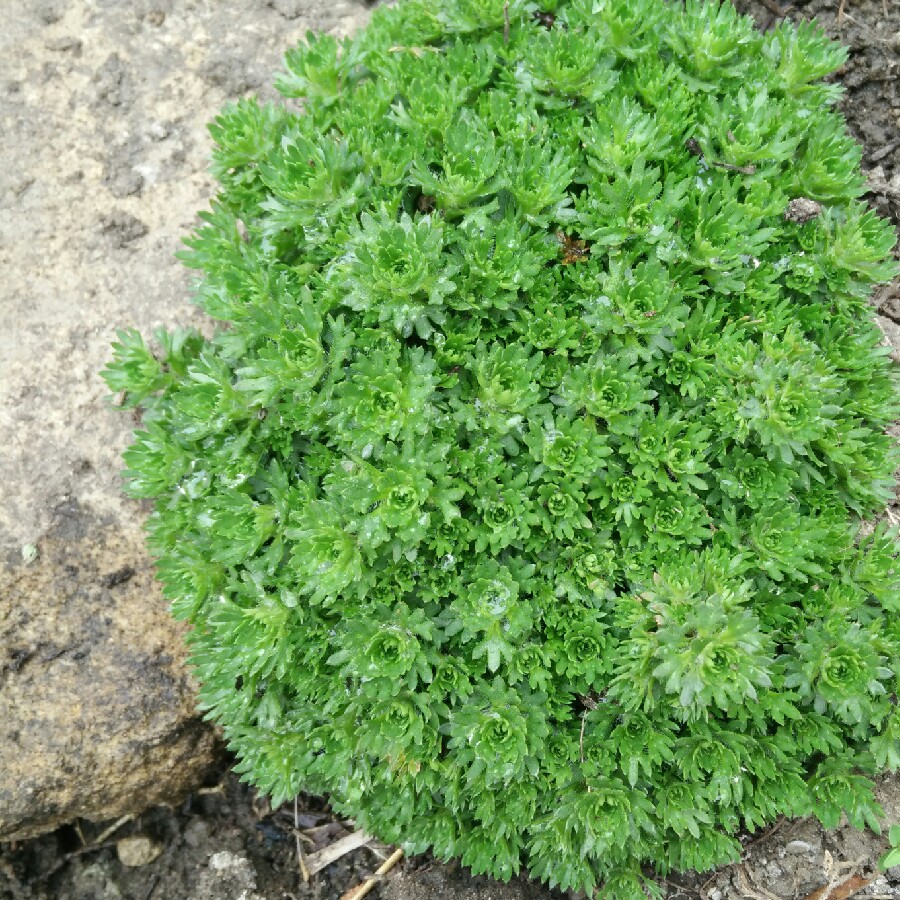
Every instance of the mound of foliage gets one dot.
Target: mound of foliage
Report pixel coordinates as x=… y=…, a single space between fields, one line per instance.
x=518 y=506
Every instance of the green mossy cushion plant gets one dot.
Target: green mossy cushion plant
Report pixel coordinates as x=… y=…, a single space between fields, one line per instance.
x=518 y=505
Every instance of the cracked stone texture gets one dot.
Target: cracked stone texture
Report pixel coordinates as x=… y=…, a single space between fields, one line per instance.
x=103 y=107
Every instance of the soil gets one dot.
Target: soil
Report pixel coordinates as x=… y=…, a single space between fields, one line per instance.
x=103 y=104
x=226 y=843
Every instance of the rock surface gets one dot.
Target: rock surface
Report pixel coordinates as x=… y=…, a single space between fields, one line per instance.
x=103 y=108
x=97 y=711
x=137 y=851
x=227 y=875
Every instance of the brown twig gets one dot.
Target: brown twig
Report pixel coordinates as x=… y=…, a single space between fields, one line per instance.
x=708 y=882
x=301 y=857
x=840 y=891
x=109 y=832
x=506 y=22
x=765 y=835
x=364 y=889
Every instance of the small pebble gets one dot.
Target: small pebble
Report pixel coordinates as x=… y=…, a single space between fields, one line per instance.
x=799 y=847
x=801 y=210
x=137 y=850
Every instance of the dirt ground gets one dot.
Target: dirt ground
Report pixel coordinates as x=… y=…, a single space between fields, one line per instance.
x=226 y=844
x=102 y=105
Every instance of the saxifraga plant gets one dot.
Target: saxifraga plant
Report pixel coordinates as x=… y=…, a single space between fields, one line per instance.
x=518 y=506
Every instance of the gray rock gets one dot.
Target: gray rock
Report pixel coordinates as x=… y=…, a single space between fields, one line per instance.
x=801 y=847
x=95 y=881
x=801 y=210
x=227 y=877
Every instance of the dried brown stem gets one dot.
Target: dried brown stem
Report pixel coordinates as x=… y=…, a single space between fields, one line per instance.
x=319 y=860
x=301 y=856
x=840 y=891
x=364 y=889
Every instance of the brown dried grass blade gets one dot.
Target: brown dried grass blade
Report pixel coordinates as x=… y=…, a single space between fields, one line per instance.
x=317 y=861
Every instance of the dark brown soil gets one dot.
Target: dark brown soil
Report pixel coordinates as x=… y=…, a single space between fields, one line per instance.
x=226 y=843
x=78 y=863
